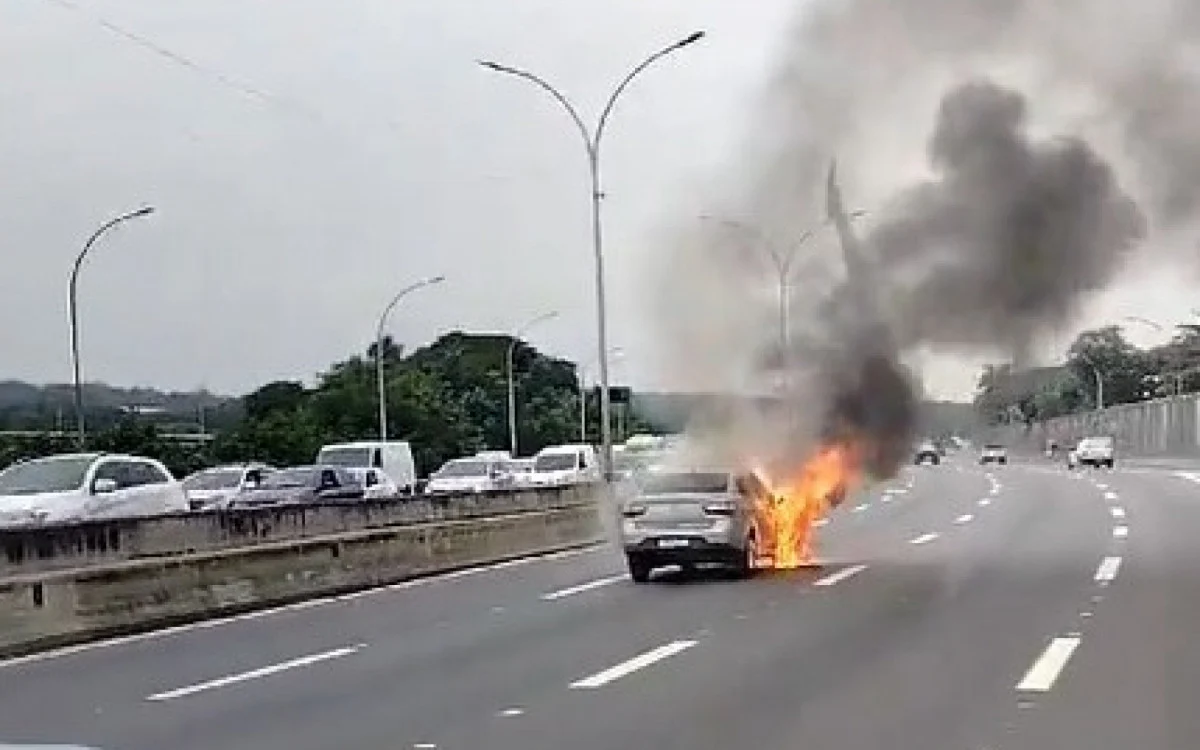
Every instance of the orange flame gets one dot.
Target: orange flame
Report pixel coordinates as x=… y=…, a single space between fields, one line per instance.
x=787 y=518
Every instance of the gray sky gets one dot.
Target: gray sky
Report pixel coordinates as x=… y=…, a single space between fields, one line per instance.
x=308 y=159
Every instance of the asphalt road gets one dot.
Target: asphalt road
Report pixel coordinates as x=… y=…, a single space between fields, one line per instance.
x=1015 y=607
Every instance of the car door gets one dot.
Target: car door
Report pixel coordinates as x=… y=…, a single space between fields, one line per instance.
x=160 y=493
x=129 y=498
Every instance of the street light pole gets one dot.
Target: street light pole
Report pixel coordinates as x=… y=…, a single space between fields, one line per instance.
x=591 y=142
x=782 y=260
x=73 y=314
x=380 y=382
x=512 y=383
x=615 y=352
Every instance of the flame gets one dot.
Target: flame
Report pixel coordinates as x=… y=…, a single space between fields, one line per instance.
x=786 y=519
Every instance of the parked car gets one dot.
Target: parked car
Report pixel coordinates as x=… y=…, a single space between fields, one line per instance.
x=565 y=464
x=302 y=484
x=522 y=470
x=394 y=457
x=470 y=475
x=689 y=517
x=214 y=488
x=85 y=486
x=1093 y=451
x=993 y=453
x=376 y=484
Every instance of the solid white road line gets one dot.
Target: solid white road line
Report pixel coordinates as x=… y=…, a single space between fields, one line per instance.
x=835 y=578
x=572 y=590
x=1108 y=569
x=1120 y=532
x=1041 y=676
x=254 y=674
x=964 y=518
x=1117 y=512
x=924 y=538
x=641 y=661
x=217 y=622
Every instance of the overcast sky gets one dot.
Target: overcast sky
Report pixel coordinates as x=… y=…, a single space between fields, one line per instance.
x=309 y=158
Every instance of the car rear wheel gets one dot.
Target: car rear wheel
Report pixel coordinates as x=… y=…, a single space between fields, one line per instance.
x=639 y=569
x=748 y=561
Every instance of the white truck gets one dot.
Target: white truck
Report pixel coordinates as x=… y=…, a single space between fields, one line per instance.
x=393 y=457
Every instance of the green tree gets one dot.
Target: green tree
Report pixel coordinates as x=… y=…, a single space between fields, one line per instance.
x=1121 y=366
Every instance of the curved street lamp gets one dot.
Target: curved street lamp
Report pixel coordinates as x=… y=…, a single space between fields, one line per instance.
x=379 y=376
x=782 y=259
x=591 y=144
x=73 y=314
x=512 y=386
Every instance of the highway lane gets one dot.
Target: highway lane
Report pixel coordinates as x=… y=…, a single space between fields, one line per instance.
x=911 y=645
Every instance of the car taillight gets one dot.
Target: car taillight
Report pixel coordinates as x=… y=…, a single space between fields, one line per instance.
x=633 y=510
x=721 y=508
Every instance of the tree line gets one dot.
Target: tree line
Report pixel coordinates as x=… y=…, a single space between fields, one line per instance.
x=1100 y=364
x=448 y=399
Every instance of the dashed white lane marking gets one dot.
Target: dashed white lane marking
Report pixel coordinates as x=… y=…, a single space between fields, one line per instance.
x=424 y=746
x=1110 y=496
x=1191 y=476
x=886 y=497
x=924 y=538
x=1120 y=532
x=1108 y=569
x=964 y=518
x=514 y=711
x=617 y=671
x=985 y=502
x=217 y=622
x=1041 y=676
x=255 y=674
x=835 y=578
x=861 y=508
x=579 y=589
x=1117 y=512
x=821 y=522
x=1101 y=486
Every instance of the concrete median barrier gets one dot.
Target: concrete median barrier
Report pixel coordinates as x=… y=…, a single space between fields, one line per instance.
x=102 y=542
x=49 y=608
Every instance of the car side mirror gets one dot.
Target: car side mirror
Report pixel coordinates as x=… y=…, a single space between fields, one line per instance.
x=104 y=486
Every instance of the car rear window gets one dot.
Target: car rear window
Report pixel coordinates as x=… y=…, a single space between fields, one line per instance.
x=668 y=483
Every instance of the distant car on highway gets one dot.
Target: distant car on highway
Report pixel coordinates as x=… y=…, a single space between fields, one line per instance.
x=214 y=488
x=565 y=464
x=393 y=457
x=1093 y=451
x=993 y=453
x=376 y=484
x=691 y=517
x=301 y=484
x=470 y=475
x=86 y=486
x=927 y=453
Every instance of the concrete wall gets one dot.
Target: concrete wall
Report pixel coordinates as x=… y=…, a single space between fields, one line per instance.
x=1164 y=427
x=53 y=607
x=101 y=542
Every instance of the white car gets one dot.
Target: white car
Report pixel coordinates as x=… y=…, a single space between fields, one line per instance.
x=376 y=484
x=470 y=475
x=565 y=464
x=1093 y=451
x=215 y=488
x=85 y=486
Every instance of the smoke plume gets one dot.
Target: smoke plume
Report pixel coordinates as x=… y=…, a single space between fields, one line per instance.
x=1012 y=157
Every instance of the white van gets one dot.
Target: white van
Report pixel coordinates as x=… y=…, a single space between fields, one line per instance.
x=565 y=464
x=393 y=457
